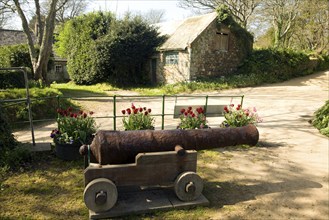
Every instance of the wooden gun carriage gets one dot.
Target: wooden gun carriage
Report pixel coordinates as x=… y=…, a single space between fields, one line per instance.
x=165 y=158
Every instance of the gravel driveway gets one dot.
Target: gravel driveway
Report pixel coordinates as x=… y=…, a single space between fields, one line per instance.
x=287 y=176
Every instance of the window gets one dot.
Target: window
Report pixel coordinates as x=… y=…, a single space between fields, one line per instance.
x=222 y=42
x=58 y=68
x=172 y=58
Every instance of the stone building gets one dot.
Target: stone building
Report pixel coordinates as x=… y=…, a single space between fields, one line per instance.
x=196 y=47
x=57 y=71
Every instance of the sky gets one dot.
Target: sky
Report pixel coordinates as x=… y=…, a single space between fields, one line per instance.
x=119 y=7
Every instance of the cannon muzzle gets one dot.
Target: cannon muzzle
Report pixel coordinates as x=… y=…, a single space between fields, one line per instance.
x=121 y=147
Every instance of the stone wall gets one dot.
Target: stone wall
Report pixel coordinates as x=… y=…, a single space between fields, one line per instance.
x=208 y=60
x=12 y=37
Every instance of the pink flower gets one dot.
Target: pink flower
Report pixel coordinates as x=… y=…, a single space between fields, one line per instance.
x=182 y=110
x=128 y=111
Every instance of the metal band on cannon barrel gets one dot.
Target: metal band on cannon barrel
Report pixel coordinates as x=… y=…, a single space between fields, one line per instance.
x=121 y=147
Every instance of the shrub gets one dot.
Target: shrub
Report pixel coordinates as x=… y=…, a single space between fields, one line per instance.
x=190 y=119
x=137 y=118
x=123 y=52
x=321 y=119
x=238 y=117
x=12 y=154
x=272 y=65
x=44 y=104
x=76 y=42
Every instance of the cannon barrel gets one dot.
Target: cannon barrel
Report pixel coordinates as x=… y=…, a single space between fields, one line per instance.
x=121 y=147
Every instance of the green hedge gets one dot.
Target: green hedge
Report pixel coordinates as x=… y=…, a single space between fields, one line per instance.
x=43 y=107
x=321 y=119
x=277 y=65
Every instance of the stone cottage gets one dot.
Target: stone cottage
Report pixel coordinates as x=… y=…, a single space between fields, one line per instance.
x=196 y=47
x=57 y=71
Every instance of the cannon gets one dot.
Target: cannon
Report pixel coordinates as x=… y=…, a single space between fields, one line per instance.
x=166 y=158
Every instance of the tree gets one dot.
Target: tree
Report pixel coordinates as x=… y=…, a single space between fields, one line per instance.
x=77 y=42
x=70 y=9
x=282 y=14
x=154 y=16
x=311 y=31
x=5 y=12
x=241 y=10
x=123 y=52
x=44 y=32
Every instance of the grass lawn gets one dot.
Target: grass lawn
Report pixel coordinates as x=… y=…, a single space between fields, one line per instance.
x=48 y=188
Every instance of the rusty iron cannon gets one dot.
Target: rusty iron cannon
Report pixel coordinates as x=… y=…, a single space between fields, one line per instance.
x=121 y=147
x=151 y=158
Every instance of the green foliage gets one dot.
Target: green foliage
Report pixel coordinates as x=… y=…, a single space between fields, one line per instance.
x=323 y=62
x=11 y=79
x=270 y=65
x=76 y=42
x=190 y=119
x=100 y=48
x=12 y=154
x=238 y=117
x=244 y=38
x=7 y=140
x=321 y=119
x=137 y=118
x=14 y=56
x=74 y=127
x=122 y=54
x=44 y=104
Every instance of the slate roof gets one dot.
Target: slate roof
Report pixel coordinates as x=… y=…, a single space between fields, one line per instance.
x=183 y=33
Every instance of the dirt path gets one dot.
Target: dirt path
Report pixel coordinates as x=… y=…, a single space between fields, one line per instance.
x=289 y=179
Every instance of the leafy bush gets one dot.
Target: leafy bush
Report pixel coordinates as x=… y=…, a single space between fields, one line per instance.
x=14 y=56
x=76 y=42
x=12 y=79
x=44 y=104
x=123 y=52
x=321 y=119
x=12 y=154
x=100 y=48
x=272 y=65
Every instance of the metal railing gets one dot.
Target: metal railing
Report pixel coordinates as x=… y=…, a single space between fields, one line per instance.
x=167 y=102
x=27 y=100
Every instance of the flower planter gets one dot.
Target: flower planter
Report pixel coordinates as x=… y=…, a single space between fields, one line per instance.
x=68 y=152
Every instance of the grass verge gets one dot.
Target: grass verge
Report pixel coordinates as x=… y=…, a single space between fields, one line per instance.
x=49 y=188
